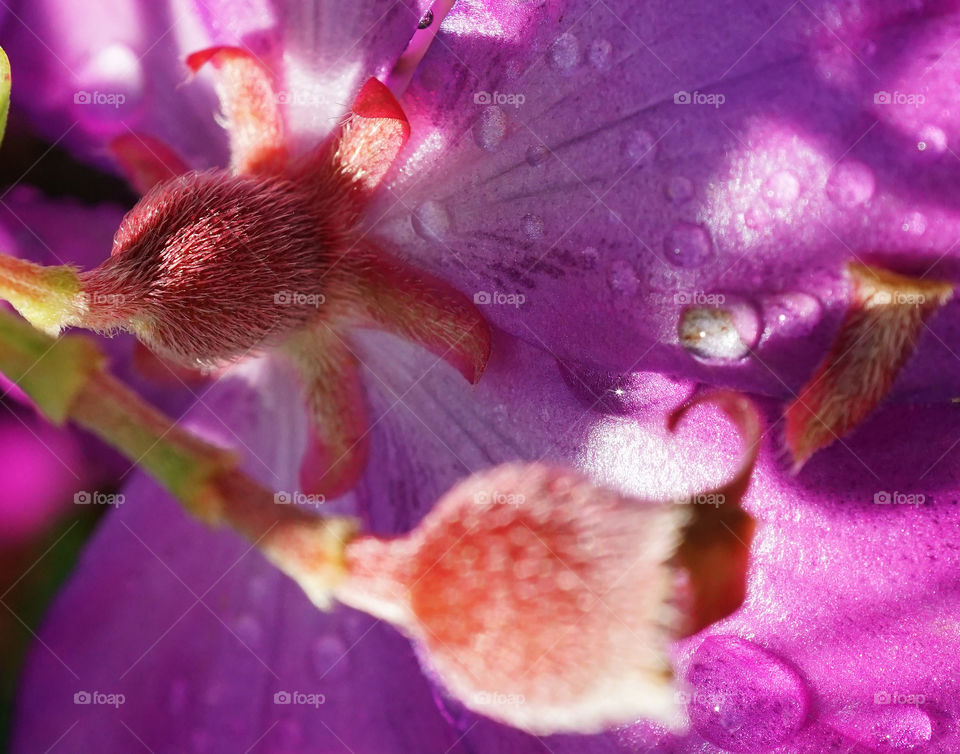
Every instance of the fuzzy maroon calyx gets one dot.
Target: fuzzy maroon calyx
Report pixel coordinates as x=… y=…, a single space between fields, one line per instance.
x=212 y=266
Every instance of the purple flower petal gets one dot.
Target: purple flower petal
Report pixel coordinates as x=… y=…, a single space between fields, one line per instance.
x=614 y=164
x=86 y=75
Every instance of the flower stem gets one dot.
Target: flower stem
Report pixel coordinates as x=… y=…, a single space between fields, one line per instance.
x=66 y=379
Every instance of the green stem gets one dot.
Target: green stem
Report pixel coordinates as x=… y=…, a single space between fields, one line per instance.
x=66 y=380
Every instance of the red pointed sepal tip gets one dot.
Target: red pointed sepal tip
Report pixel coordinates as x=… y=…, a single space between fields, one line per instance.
x=372 y=137
x=715 y=548
x=251 y=106
x=885 y=317
x=410 y=303
x=145 y=160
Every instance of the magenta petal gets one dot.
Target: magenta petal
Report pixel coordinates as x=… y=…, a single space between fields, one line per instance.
x=201 y=676
x=89 y=74
x=562 y=161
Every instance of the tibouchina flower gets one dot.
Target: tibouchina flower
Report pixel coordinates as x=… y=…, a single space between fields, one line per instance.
x=725 y=172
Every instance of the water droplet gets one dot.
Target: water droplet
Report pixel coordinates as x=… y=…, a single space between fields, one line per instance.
x=622 y=278
x=599 y=53
x=621 y=394
x=565 y=52
x=688 y=245
x=932 y=139
x=915 y=224
x=537 y=155
x=590 y=257
x=532 y=226
x=425 y=20
x=888 y=727
x=781 y=189
x=719 y=333
x=745 y=698
x=640 y=147
x=679 y=189
x=247 y=628
x=330 y=656
x=430 y=220
x=791 y=315
x=490 y=128
x=850 y=183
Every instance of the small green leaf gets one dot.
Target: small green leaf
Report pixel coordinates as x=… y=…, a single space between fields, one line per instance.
x=4 y=91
